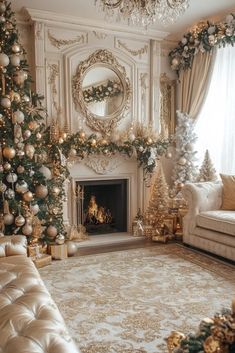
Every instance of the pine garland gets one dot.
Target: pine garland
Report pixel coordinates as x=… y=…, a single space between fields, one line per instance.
x=202 y=38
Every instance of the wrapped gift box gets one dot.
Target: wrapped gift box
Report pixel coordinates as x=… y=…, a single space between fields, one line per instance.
x=42 y=260
x=58 y=252
x=34 y=250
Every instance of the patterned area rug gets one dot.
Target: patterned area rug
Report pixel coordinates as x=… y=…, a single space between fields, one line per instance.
x=129 y=301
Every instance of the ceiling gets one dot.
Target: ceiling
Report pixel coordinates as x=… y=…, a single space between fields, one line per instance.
x=85 y=9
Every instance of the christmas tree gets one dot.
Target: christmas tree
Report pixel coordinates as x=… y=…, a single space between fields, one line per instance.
x=185 y=156
x=31 y=174
x=159 y=200
x=207 y=171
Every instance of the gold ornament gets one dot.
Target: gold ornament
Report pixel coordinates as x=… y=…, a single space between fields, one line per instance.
x=9 y=152
x=93 y=142
x=33 y=125
x=20 y=169
x=212 y=345
x=19 y=221
x=29 y=151
x=56 y=190
x=103 y=142
x=173 y=341
x=82 y=134
x=41 y=191
x=59 y=239
x=15 y=48
x=8 y=219
x=52 y=232
x=7 y=166
x=38 y=136
x=27 y=229
x=149 y=140
x=28 y=196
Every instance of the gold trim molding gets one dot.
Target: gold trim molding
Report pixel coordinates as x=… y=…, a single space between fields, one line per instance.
x=54 y=72
x=167 y=105
x=58 y=43
x=133 y=52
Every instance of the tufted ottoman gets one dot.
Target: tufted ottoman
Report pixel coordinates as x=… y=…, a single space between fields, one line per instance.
x=30 y=322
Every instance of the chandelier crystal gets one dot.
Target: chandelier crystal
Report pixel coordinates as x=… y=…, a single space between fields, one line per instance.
x=144 y=12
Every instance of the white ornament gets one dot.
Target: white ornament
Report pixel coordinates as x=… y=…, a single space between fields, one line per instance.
x=29 y=151
x=15 y=60
x=34 y=208
x=4 y=60
x=5 y=102
x=12 y=178
x=21 y=187
x=45 y=172
x=18 y=117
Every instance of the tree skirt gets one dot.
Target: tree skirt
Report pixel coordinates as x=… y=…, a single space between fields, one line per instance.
x=129 y=301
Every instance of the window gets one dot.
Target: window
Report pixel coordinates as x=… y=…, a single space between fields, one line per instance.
x=215 y=126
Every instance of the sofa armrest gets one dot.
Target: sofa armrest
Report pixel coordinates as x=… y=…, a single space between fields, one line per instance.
x=11 y=245
x=203 y=196
x=200 y=197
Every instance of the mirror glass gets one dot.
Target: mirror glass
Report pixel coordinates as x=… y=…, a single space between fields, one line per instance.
x=103 y=91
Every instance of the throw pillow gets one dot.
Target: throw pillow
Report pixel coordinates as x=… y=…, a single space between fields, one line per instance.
x=228 y=199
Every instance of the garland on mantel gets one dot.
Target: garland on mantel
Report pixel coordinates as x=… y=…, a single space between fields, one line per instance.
x=202 y=38
x=145 y=150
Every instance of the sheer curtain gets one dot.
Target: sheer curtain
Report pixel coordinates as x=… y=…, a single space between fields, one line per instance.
x=215 y=126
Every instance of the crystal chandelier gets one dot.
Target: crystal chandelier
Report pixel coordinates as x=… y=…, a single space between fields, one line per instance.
x=144 y=12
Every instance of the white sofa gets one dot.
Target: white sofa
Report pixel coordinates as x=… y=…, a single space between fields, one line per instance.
x=30 y=321
x=206 y=226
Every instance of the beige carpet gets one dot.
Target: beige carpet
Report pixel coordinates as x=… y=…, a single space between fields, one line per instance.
x=129 y=301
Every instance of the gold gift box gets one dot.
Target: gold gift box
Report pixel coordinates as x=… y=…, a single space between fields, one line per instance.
x=34 y=250
x=58 y=252
x=42 y=261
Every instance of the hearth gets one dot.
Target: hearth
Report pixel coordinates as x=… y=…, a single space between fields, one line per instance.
x=104 y=206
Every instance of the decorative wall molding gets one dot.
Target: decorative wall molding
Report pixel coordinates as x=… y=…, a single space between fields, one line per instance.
x=39 y=30
x=167 y=105
x=99 y=35
x=59 y=43
x=101 y=164
x=143 y=84
x=54 y=73
x=133 y=52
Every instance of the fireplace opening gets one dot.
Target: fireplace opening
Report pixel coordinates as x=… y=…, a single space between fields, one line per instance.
x=104 y=206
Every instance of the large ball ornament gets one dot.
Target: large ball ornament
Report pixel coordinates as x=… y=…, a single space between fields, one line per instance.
x=19 y=221
x=6 y=102
x=12 y=178
x=15 y=60
x=41 y=191
x=34 y=209
x=28 y=196
x=21 y=187
x=59 y=239
x=2 y=19
x=4 y=60
x=2 y=7
x=52 y=232
x=8 y=219
x=29 y=151
x=15 y=48
x=16 y=97
x=27 y=229
x=18 y=117
x=45 y=172
x=9 y=152
x=10 y=194
x=3 y=187
x=26 y=98
x=20 y=169
x=182 y=161
x=71 y=248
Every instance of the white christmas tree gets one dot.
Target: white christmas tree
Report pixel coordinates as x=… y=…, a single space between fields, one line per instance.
x=207 y=171
x=185 y=156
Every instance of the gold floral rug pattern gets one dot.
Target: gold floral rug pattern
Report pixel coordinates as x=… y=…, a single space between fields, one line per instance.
x=129 y=301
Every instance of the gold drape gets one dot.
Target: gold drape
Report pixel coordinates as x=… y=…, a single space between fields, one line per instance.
x=194 y=82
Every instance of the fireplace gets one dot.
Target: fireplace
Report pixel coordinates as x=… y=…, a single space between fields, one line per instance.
x=104 y=205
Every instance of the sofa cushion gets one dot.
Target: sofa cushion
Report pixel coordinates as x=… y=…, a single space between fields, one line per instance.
x=218 y=220
x=13 y=245
x=228 y=199
x=29 y=319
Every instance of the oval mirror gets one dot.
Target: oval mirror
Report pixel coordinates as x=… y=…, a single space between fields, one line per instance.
x=101 y=91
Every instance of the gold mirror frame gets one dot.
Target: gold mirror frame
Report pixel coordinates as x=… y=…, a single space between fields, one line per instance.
x=106 y=59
